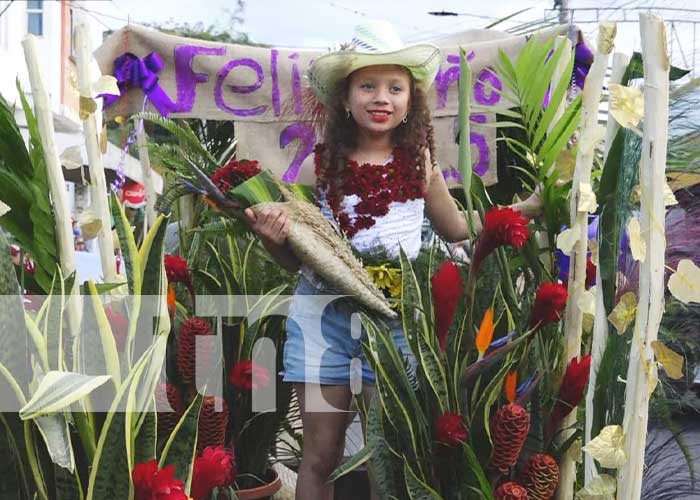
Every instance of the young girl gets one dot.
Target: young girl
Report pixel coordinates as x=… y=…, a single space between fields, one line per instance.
x=375 y=178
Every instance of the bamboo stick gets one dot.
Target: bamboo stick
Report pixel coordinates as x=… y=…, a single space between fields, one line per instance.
x=600 y=325
x=579 y=218
x=98 y=183
x=64 y=230
x=642 y=368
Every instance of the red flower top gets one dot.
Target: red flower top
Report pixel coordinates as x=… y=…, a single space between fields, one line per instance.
x=176 y=270
x=450 y=429
x=572 y=386
x=246 y=375
x=447 y=288
x=376 y=185
x=510 y=491
x=214 y=468
x=502 y=226
x=153 y=484
x=234 y=173
x=550 y=301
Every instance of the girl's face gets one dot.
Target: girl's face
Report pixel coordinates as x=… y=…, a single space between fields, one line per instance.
x=379 y=97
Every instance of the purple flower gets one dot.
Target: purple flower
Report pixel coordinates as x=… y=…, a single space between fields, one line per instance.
x=583 y=59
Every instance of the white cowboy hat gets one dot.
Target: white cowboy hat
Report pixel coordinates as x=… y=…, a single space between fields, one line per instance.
x=374 y=42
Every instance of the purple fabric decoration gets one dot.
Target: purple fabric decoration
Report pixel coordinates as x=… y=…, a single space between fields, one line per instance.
x=130 y=71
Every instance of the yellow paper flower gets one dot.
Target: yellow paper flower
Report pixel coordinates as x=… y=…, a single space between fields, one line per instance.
x=608 y=448
x=623 y=313
x=637 y=244
x=670 y=360
x=386 y=278
x=602 y=487
x=684 y=284
x=566 y=240
x=626 y=105
x=586 y=198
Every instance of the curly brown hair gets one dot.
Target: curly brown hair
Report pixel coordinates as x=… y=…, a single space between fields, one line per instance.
x=340 y=134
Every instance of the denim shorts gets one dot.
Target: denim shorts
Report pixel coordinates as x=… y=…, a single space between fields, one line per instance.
x=325 y=335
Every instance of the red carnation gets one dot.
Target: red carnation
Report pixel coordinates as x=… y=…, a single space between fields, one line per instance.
x=214 y=468
x=246 y=375
x=510 y=491
x=153 y=484
x=590 y=273
x=550 y=302
x=212 y=422
x=447 y=288
x=187 y=363
x=450 y=429
x=234 y=173
x=571 y=390
x=502 y=226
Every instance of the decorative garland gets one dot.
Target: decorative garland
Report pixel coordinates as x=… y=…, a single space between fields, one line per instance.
x=376 y=185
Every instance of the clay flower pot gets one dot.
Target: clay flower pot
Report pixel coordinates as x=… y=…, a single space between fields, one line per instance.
x=273 y=485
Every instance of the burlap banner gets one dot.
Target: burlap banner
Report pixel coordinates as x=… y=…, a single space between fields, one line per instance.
x=261 y=90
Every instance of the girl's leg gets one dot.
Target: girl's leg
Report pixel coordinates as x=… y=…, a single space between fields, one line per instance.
x=324 y=441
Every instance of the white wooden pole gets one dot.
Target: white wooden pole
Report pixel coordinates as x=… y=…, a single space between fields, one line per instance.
x=600 y=324
x=642 y=369
x=98 y=183
x=579 y=218
x=62 y=216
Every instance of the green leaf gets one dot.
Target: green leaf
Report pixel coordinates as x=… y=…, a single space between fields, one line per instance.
x=478 y=471
x=57 y=390
x=54 y=429
x=417 y=489
x=127 y=244
x=352 y=463
x=146 y=438
x=257 y=189
x=109 y=345
x=635 y=69
x=181 y=447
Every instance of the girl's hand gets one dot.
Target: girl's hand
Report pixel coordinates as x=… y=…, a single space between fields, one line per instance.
x=271 y=225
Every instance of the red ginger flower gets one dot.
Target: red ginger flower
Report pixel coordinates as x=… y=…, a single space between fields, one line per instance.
x=246 y=375
x=234 y=173
x=169 y=406
x=214 y=468
x=550 y=302
x=590 y=273
x=447 y=288
x=212 y=423
x=450 y=429
x=509 y=428
x=571 y=390
x=187 y=362
x=502 y=226
x=511 y=491
x=153 y=484
x=176 y=270
x=540 y=476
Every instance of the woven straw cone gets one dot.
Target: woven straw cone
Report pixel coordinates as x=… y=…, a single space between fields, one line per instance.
x=316 y=243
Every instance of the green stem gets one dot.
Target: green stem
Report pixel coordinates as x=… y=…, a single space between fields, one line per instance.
x=33 y=461
x=86 y=433
x=507 y=279
x=465 y=155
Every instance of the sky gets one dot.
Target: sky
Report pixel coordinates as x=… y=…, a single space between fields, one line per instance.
x=324 y=23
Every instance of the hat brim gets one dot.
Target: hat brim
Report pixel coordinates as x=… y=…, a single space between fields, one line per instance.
x=421 y=60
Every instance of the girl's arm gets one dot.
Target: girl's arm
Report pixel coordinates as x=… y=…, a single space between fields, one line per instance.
x=448 y=220
x=272 y=226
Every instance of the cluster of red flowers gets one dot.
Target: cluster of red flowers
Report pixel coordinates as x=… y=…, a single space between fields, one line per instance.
x=550 y=301
x=234 y=173
x=447 y=288
x=150 y=483
x=214 y=468
x=176 y=270
x=246 y=375
x=450 y=429
x=502 y=226
x=376 y=186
